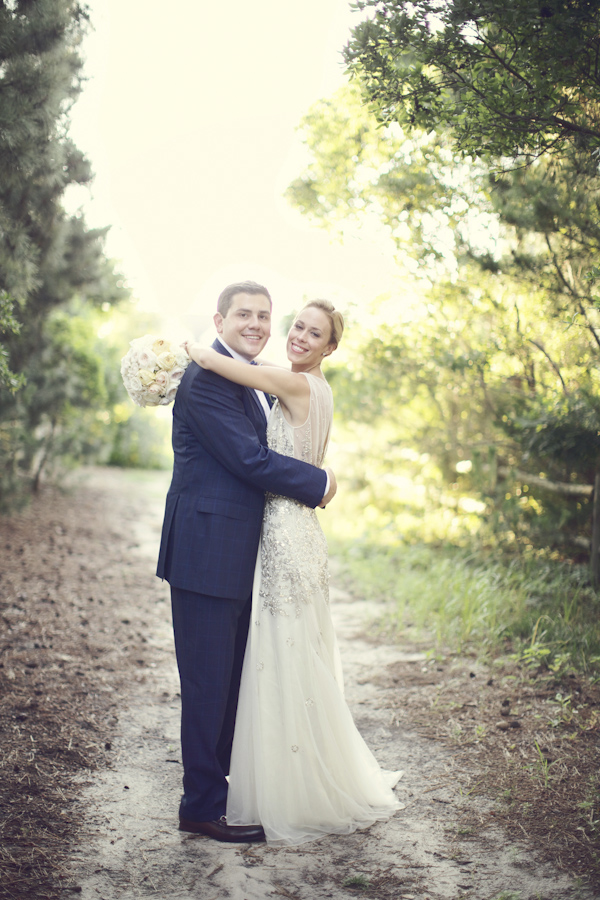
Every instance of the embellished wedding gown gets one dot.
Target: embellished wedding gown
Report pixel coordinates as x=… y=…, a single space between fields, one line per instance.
x=299 y=766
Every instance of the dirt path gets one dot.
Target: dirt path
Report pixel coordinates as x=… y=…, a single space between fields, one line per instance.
x=107 y=686
x=134 y=849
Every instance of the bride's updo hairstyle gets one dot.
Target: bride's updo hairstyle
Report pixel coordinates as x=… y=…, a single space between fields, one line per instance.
x=334 y=316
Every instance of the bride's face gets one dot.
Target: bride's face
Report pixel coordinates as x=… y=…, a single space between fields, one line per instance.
x=309 y=339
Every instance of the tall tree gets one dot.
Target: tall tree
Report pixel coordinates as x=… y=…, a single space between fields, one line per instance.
x=520 y=77
x=48 y=259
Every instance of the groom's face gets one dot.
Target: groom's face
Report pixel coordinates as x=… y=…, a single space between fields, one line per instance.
x=247 y=326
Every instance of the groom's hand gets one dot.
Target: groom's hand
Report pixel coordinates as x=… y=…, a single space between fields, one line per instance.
x=332 y=489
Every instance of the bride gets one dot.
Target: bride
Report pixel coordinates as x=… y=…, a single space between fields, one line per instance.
x=299 y=766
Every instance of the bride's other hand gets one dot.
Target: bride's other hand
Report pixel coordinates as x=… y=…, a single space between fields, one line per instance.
x=332 y=489
x=201 y=355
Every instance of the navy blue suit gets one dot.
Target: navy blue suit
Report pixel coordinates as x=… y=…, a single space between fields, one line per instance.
x=211 y=530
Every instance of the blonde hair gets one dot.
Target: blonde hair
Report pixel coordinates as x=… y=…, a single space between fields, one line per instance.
x=334 y=316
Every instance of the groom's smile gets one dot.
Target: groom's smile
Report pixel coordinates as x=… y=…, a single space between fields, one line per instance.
x=246 y=327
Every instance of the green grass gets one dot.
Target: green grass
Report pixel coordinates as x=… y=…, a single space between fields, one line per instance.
x=357 y=881
x=541 y=610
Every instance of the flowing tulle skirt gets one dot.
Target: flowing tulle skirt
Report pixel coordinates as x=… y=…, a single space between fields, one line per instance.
x=299 y=765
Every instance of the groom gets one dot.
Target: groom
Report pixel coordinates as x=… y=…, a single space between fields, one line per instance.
x=210 y=537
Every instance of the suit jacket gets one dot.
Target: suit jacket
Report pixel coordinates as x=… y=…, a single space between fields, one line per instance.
x=222 y=468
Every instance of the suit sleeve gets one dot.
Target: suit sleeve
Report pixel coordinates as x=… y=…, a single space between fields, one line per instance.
x=219 y=421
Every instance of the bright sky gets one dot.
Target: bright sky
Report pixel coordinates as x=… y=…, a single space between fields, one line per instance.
x=189 y=118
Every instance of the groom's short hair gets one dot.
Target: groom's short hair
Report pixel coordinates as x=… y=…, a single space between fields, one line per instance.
x=243 y=287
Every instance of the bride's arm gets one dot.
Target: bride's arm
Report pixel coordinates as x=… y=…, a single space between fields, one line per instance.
x=291 y=388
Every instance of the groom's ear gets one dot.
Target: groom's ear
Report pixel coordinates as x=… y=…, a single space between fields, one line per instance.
x=218 y=320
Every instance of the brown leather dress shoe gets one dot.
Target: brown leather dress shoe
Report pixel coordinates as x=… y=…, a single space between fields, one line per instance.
x=219 y=830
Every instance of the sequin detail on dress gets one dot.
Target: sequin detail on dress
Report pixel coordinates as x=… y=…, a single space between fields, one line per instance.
x=291 y=530
x=330 y=783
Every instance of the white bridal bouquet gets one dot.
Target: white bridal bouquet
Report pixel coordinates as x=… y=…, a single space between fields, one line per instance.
x=152 y=369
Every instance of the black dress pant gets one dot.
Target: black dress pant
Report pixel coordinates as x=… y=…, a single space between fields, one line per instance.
x=210 y=640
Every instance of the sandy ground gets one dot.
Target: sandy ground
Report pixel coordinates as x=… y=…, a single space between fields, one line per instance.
x=129 y=846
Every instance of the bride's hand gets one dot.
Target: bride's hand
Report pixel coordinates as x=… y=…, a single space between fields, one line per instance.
x=193 y=350
x=332 y=488
x=201 y=355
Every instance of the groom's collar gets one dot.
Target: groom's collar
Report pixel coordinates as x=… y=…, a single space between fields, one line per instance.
x=231 y=352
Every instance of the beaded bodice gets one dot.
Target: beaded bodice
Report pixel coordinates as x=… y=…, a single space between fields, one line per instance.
x=293 y=547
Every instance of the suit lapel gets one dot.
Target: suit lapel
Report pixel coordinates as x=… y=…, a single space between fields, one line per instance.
x=258 y=403
x=218 y=346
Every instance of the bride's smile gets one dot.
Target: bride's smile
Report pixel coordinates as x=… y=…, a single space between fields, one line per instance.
x=309 y=339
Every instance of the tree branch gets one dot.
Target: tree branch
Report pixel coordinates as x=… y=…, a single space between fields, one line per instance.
x=552 y=363
x=506 y=65
x=555 y=487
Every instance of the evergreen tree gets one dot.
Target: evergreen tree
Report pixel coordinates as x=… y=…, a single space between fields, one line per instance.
x=47 y=258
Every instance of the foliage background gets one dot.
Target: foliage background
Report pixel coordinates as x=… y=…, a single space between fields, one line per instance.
x=490 y=384
x=61 y=400
x=468 y=402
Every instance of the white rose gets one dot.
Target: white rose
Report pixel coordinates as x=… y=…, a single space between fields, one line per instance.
x=146 y=376
x=147 y=359
x=177 y=373
x=160 y=346
x=166 y=360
